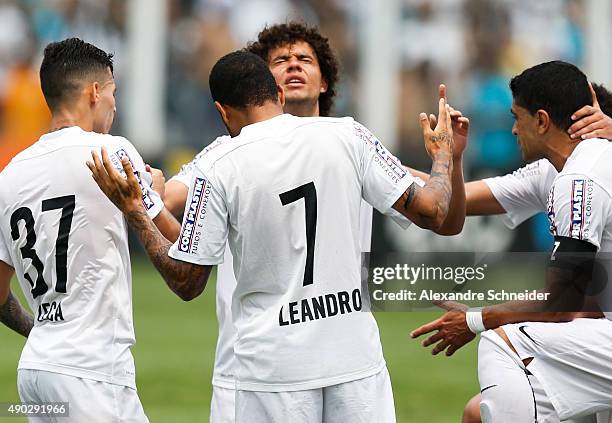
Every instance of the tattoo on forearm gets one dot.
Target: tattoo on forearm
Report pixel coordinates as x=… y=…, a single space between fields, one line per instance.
x=440 y=181
x=15 y=317
x=181 y=277
x=410 y=195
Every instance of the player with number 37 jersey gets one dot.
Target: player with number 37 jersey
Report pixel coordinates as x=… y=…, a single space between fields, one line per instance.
x=68 y=245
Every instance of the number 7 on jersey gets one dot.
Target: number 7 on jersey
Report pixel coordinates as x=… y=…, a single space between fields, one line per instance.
x=309 y=193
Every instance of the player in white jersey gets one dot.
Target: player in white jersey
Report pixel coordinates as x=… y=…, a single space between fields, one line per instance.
x=523 y=193
x=68 y=246
x=562 y=369
x=303 y=63
x=285 y=192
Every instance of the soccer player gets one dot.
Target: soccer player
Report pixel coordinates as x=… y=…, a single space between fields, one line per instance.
x=286 y=194
x=548 y=371
x=292 y=51
x=523 y=193
x=304 y=65
x=68 y=246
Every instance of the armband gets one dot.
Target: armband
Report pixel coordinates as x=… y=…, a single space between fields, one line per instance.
x=574 y=262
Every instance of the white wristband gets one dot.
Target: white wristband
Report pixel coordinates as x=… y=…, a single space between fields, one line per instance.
x=474 y=321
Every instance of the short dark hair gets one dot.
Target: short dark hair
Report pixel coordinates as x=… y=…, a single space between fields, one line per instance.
x=278 y=35
x=604 y=98
x=68 y=63
x=241 y=79
x=557 y=87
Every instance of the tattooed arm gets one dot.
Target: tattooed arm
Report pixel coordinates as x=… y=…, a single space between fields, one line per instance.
x=428 y=206
x=186 y=280
x=11 y=312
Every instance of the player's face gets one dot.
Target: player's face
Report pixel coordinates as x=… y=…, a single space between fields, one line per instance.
x=104 y=112
x=296 y=68
x=525 y=130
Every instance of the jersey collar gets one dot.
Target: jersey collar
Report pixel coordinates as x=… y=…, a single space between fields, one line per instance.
x=263 y=128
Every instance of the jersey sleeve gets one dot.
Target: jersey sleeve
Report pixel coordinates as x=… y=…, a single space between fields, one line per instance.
x=205 y=223
x=579 y=208
x=522 y=193
x=399 y=218
x=184 y=174
x=384 y=179
x=151 y=200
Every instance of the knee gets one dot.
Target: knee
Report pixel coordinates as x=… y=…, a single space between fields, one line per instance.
x=471 y=412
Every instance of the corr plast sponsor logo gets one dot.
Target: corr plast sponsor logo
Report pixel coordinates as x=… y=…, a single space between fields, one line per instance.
x=147 y=202
x=389 y=159
x=191 y=216
x=383 y=157
x=577 y=204
x=550 y=209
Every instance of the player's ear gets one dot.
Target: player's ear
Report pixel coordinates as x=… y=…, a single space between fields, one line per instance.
x=281 y=95
x=94 y=92
x=543 y=121
x=323 y=86
x=223 y=112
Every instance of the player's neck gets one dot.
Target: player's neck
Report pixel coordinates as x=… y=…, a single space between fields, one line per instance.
x=302 y=108
x=65 y=118
x=559 y=150
x=267 y=111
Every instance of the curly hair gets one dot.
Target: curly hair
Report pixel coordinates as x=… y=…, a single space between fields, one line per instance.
x=281 y=34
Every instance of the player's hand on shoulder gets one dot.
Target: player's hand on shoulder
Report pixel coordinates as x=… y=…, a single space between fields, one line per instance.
x=451 y=330
x=159 y=180
x=591 y=122
x=125 y=193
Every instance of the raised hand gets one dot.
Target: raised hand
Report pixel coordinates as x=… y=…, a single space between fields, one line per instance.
x=439 y=137
x=460 y=126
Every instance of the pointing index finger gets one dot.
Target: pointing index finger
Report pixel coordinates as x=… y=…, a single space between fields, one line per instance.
x=429 y=327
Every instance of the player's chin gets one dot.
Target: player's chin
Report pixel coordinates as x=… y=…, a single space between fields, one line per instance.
x=298 y=96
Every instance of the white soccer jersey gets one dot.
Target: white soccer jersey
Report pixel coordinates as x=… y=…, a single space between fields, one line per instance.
x=68 y=245
x=223 y=372
x=523 y=192
x=580 y=202
x=286 y=194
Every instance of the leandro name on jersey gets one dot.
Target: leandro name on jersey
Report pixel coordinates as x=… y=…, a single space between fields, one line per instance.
x=321 y=307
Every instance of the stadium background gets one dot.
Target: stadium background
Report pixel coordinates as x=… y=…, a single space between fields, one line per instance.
x=393 y=54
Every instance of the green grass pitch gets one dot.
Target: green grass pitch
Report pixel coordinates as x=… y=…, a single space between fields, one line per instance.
x=175 y=350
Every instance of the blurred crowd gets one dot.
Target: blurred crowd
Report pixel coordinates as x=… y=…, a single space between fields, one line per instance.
x=473 y=45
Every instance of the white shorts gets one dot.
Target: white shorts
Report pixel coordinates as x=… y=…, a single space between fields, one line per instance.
x=89 y=401
x=572 y=361
x=222 y=405
x=368 y=400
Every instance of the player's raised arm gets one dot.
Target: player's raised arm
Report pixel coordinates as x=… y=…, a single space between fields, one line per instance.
x=185 y=279
x=12 y=313
x=428 y=206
